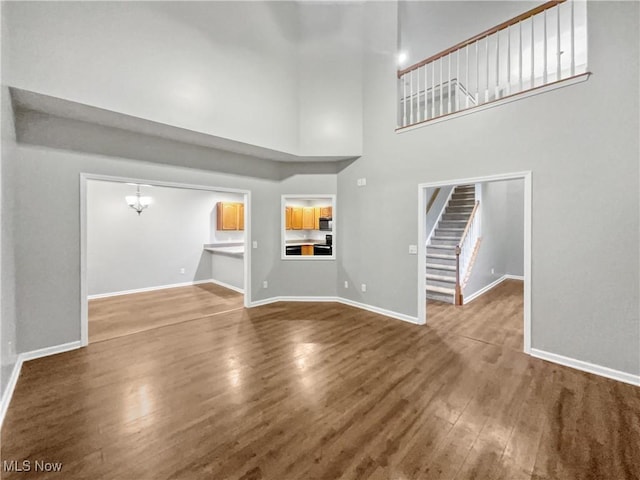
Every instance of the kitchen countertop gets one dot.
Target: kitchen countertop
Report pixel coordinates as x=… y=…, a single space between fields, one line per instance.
x=233 y=249
x=309 y=241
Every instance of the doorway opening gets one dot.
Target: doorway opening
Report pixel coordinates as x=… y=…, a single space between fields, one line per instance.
x=475 y=257
x=155 y=254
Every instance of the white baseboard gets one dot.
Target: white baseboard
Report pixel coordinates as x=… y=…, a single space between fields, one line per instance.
x=483 y=290
x=381 y=311
x=45 y=352
x=148 y=289
x=226 y=285
x=25 y=357
x=514 y=277
x=344 y=301
x=8 y=393
x=587 y=367
x=267 y=301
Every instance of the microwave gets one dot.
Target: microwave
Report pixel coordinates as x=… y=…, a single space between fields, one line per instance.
x=326 y=224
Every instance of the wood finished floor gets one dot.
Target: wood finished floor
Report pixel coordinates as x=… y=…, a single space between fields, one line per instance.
x=323 y=391
x=121 y=315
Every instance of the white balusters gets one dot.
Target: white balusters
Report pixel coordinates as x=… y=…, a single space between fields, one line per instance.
x=486 y=52
x=457 y=80
x=504 y=66
x=426 y=89
x=573 y=41
x=449 y=85
x=466 y=80
x=519 y=56
x=558 y=50
x=544 y=49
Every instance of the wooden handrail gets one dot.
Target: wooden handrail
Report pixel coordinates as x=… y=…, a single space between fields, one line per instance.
x=486 y=33
x=434 y=195
x=466 y=228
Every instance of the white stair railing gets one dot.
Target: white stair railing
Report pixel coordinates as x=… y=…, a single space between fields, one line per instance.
x=465 y=250
x=545 y=45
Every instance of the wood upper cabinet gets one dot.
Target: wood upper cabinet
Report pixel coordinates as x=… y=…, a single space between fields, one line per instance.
x=308 y=218
x=241 y=216
x=316 y=217
x=287 y=217
x=296 y=218
x=229 y=216
x=326 y=212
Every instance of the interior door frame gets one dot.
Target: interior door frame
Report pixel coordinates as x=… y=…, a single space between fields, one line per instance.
x=422 y=247
x=86 y=177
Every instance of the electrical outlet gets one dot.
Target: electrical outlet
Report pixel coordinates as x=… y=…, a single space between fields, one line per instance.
x=413 y=249
x=346 y=284
x=361 y=182
x=182 y=270
x=255 y=244
x=364 y=287
x=265 y=284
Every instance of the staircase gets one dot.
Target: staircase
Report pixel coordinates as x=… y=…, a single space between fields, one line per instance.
x=441 y=249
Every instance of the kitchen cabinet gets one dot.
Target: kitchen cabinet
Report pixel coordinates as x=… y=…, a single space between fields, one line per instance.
x=287 y=216
x=307 y=249
x=296 y=218
x=316 y=218
x=308 y=219
x=326 y=212
x=229 y=216
x=241 y=216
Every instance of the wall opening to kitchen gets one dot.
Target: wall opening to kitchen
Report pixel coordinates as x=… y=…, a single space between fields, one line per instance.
x=157 y=253
x=308 y=227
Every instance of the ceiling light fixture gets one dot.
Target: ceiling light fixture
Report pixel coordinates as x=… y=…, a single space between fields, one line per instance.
x=137 y=202
x=402 y=57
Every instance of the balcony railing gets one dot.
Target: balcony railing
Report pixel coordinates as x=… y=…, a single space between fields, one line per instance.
x=545 y=45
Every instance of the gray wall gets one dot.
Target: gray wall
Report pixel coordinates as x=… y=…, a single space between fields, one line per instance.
x=7 y=245
x=575 y=143
x=572 y=139
x=7 y=237
x=436 y=207
x=227 y=269
x=47 y=174
x=127 y=251
x=502 y=245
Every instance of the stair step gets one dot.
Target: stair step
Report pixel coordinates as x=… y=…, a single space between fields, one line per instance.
x=443 y=290
x=444 y=239
x=440 y=298
x=441 y=247
x=452 y=224
x=441 y=255
x=440 y=278
x=439 y=266
x=459 y=209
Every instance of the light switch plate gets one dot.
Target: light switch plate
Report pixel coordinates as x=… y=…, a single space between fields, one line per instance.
x=255 y=244
x=413 y=249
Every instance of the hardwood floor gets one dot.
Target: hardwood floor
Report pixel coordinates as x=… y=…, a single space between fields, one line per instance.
x=113 y=317
x=495 y=318
x=322 y=391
